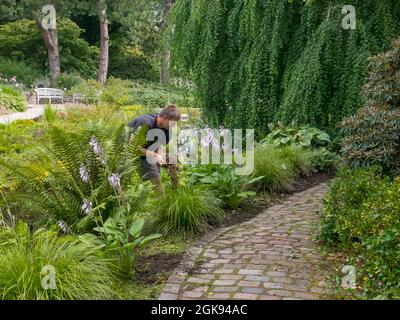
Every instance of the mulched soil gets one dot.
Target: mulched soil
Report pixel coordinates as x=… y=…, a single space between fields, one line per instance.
x=156 y=268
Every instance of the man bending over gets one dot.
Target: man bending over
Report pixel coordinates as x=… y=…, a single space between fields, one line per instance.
x=152 y=160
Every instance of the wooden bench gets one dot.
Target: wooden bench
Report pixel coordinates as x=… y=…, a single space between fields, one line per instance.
x=50 y=94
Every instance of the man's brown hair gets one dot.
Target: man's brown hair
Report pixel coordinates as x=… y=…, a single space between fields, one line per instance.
x=171 y=112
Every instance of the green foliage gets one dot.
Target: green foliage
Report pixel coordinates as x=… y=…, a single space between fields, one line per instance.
x=277 y=175
x=50 y=115
x=186 y=211
x=323 y=159
x=156 y=96
x=117 y=92
x=91 y=91
x=68 y=81
x=122 y=239
x=80 y=273
x=297 y=159
x=12 y=99
x=361 y=215
x=224 y=182
x=265 y=61
x=26 y=73
x=21 y=41
x=304 y=136
x=128 y=62
x=82 y=177
x=14 y=138
x=342 y=220
x=372 y=135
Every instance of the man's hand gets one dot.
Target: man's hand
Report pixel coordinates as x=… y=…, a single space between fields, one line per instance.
x=157 y=157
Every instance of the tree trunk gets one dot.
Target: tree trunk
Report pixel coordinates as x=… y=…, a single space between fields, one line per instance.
x=104 y=42
x=167 y=51
x=50 y=38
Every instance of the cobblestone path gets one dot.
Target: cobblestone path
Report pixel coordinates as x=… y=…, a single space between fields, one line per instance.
x=273 y=256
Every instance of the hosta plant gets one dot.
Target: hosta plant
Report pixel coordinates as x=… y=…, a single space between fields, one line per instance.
x=304 y=136
x=225 y=183
x=122 y=240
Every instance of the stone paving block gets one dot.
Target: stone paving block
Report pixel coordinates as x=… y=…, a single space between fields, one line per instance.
x=224 y=282
x=245 y=296
x=225 y=289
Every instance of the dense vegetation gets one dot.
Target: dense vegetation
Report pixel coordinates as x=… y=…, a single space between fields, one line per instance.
x=71 y=195
x=257 y=62
x=361 y=212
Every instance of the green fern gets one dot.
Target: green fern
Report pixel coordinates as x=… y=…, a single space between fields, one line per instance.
x=69 y=173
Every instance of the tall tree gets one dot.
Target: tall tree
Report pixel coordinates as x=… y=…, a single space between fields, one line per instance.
x=167 y=50
x=45 y=16
x=48 y=30
x=104 y=43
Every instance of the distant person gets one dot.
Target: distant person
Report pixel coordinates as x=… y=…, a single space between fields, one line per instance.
x=162 y=121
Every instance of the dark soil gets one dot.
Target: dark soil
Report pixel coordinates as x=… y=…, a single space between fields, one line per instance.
x=156 y=268
x=254 y=206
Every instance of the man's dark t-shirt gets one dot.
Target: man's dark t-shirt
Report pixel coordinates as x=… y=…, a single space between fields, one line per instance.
x=151 y=121
x=149 y=171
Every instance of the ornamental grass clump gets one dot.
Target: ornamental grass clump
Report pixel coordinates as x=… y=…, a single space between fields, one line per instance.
x=277 y=174
x=43 y=266
x=187 y=210
x=297 y=158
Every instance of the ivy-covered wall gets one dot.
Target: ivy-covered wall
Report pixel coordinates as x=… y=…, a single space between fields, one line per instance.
x=260 y=61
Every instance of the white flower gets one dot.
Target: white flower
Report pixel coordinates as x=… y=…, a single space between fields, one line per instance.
x=115 y=181
x=94 y=143
x=84 y=174
x=86 y=206
x=63 y=226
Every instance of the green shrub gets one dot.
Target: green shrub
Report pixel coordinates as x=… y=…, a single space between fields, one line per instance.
x=91 y=91
x=155 y=95
x=128 y=62
x=323 y=159
x=26 y=73
x=80 y=273
x=361 y=214
x=372 y=136
x=297 y=159
x=117 y=92
x=122 y=240
x=68 y=81
x=16 y=136
x=277 y=175
x=304 y=136
x=186 y=211
x=341 y=215
x=12 y=99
